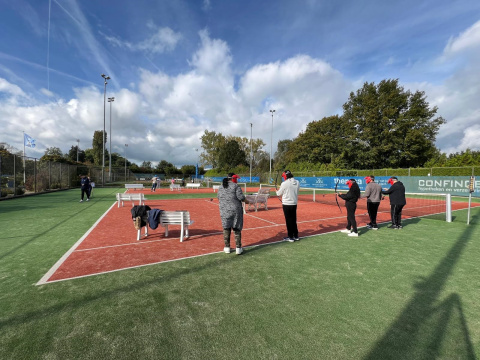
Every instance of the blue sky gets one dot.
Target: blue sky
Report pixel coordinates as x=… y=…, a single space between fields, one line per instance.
x=179 y=67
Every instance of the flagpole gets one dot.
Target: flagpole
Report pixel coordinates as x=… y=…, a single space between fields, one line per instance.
x=23 y=157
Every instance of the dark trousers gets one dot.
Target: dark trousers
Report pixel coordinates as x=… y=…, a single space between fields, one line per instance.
x=85 y=191
x=396 y=214
x=351 y=222
x=372 y=208
x=290 y=212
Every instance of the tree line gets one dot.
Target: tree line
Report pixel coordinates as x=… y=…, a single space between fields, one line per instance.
x=382 y=126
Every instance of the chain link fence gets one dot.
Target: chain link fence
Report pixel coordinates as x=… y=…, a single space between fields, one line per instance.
x=431 y=171
x=24 y=175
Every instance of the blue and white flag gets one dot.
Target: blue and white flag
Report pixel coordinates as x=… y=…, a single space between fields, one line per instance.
x=28 y=141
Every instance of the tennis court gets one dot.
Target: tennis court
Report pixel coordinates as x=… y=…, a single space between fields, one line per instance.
x=111 y=245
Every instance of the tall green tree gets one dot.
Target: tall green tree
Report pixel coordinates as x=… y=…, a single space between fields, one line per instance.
x=54 y=154
x=146 y=166
x=212 y=143
x=90 y=156
x=72 y=154
x=280 y=157
x=388 y=126
x=187 y=170
x=164 y=167
x=98 y=147
x=231 y=155
x=323 y=141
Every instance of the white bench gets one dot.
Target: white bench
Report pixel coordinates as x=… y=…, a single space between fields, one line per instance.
x=167 y=218
x=175 y=187
x=258 y=199
x=131 y=197
x=193 y=185
x=133 y=186
x=215 y=187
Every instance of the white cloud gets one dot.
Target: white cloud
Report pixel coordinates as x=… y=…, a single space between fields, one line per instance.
x=9 y=88
x=466 y=41
x=166 y=116
x=162 y=40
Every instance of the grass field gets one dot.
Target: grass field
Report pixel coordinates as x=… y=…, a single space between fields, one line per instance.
x=388 y=294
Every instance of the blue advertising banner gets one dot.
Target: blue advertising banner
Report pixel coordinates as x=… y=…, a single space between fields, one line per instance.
x=455 y=185
x=244 y=179
x=329 y=182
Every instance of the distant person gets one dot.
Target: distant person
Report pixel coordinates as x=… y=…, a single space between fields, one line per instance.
x=351 y=198
x=230 y=197
x=373 y=194
x=289 y=193
x=396 y=193
x=85 y=187
x=154 y=183
x=183 y=182
x=90 y=188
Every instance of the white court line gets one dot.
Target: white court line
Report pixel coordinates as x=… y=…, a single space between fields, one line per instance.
x=55 y=267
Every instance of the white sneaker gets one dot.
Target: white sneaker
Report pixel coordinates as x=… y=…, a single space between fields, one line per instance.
x=239 y=251
x=226 y=250
x=88 y=199
x=346 y=231
x=353 y=234
x=81 y=200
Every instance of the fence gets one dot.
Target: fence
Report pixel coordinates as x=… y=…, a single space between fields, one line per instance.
x=431 y=171
x=19 y=175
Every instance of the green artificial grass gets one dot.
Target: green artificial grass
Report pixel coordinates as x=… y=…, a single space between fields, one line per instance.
x=388 y=294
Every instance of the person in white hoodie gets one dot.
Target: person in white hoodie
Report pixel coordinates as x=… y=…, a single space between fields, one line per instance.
x=289 y=193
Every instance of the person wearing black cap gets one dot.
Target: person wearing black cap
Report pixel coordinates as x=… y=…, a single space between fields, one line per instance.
x=396 y=194
x=289 y=193
x=373 y=194
x=351 y=198
x=230 y=197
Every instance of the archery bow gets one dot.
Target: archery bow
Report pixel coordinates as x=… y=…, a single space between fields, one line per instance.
x=336 y=195
x=276 y=186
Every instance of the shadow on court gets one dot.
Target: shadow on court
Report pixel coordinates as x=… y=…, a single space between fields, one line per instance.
x=426 y=326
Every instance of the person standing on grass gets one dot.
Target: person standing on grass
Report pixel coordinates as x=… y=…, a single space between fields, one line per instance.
x=289 y=193
x=396 y=193
x=85 y=187
x=373 y=194
x=91 y=184
x=230 y=197
x=351 y=198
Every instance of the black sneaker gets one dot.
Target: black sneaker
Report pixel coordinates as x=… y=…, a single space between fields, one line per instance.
x=399 y=227
x=375 y=227
x=296 y=238
x=392 y=227
x=288 y=239
x=369 y=226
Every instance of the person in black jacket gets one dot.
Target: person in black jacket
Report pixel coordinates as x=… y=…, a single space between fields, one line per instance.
x=351 y=198
x=85 y=187
x=396 y=194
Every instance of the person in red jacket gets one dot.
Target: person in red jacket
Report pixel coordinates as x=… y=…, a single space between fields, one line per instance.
x=351 y=198
x=396 y=193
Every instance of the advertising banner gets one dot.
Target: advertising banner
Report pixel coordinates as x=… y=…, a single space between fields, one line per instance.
x=243 y=179
x=455 y=185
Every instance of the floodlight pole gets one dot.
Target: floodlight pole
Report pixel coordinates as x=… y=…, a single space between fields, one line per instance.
x=251 y=151
x=126 y=145
x=78 y=145
x=105 y=78
x=271 y=145
x=110 y=100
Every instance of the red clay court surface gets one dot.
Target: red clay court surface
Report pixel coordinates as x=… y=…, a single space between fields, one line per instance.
x=111 y=245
